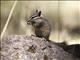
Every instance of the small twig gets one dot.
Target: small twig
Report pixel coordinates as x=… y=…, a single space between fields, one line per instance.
x=7 y=22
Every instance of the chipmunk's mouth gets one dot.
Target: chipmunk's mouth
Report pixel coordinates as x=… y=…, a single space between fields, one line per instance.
x=28 y=22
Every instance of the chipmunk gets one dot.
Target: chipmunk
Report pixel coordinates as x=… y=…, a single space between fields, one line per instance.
x=40 y=24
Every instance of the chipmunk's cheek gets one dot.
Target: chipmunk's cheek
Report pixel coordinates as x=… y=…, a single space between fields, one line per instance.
x=34 y=25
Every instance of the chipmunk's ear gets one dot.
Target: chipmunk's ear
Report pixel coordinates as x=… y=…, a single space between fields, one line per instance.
x=39 y=13
x=36 y=10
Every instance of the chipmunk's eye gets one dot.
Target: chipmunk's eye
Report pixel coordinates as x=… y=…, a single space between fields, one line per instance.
x=32 y=17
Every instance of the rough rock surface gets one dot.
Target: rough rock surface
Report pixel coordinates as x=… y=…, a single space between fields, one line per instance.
x=22 y=47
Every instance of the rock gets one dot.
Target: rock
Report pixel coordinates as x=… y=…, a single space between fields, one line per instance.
x=73 y=49
x=22 y=47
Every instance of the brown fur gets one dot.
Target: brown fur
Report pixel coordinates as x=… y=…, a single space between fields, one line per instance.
x=41 y=25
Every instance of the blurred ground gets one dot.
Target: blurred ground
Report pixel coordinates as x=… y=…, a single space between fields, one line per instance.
x=64 y=17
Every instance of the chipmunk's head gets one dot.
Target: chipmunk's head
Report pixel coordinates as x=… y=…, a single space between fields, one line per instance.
x=33 y=17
